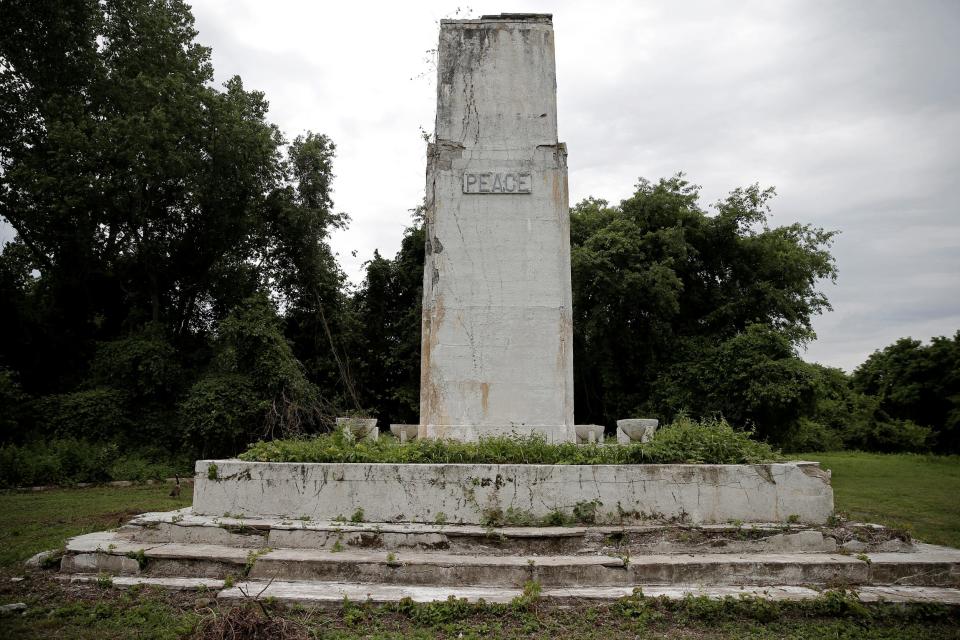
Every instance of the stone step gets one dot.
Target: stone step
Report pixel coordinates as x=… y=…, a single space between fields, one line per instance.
x=656 y=538
x=110 y=552
x=125 y=582
x=334 y=593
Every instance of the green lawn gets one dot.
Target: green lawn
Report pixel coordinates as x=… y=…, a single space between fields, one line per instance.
x=916 y=492
x=33 y=521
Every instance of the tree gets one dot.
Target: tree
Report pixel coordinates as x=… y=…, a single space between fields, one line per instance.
x=149 y=205
x=917 y=383
x=388 y=307
x=676 y=308
x=254 y=386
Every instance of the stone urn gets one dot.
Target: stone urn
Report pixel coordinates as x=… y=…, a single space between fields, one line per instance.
x=636 y=430
x=589 y=433
x=405 y=432
x=359 y=428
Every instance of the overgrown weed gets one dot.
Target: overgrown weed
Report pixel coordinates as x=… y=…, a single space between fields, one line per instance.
x=710 y=441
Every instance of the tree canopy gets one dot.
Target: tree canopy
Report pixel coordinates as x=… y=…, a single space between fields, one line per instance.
x=151 y=208
x=678 y=309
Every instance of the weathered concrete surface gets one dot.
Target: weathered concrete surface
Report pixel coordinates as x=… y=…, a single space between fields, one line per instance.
x=927 y=566
x=497 y=352
x=183 y=526
x=475 y=494
x=173 y=584
x=333 y=593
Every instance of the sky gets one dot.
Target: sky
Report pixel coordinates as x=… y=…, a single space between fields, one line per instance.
x=850 y=109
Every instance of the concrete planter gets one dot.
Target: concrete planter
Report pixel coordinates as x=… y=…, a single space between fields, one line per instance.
x=473 y=493
x=405 y=432
x=359 y=428
x=636 y=430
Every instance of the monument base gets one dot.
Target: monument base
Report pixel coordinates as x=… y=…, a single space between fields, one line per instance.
x=530 y=493
x=301 y=560
x=317 y=533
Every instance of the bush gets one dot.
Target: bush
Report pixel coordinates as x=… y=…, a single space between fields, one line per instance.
x=684 y=441
x=811 y=435
x=222 y=413
x=144 y=364
x=15 y=416
x=70 y=460
x=97 y=414
x=890 y=436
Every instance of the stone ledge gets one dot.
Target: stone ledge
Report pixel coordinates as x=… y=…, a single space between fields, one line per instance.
x=476 y=493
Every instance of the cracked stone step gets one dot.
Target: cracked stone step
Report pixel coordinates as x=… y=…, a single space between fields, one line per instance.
x=110 y=552
x=333 y=593
x=125 y=582
x=656 y=538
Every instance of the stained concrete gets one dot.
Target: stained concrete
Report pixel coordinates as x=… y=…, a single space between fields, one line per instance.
x=478 y=493
x=334 y=593
x=497 y=340
x=183 y=526
x=928 y=565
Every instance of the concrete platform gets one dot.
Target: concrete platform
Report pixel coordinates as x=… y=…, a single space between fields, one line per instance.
x=478 y=493
x=332 y=594
x=186 y=527
x=115 y=553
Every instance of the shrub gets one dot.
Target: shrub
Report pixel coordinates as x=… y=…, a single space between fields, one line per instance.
x=222 y=413
x=96 y=414
x=888 y=436
x=15 y=416
x=144 y=364
x=69 y=460
x=811 y=435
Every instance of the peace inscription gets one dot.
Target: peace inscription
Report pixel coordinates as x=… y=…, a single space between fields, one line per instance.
x=497 y=182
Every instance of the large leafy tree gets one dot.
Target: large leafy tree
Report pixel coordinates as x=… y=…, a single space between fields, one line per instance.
x=388 y=306
x=148 y=204
x=919 y=383
x=677 y=308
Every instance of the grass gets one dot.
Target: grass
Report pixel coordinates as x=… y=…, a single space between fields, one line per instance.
x=34 y=521
x=916 y=492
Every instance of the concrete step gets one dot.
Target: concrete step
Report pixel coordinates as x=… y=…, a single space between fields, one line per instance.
x=114 y=553
x=656 y=538
x=334 y=593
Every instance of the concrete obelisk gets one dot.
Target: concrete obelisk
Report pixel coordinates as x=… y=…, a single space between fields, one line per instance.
x=497 y=345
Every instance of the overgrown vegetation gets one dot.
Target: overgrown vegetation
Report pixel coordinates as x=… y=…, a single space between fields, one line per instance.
x=710 y=441
x=70 y=460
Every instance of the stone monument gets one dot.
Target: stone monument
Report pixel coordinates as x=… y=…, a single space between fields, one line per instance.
x=496 y=354
x=496 y=360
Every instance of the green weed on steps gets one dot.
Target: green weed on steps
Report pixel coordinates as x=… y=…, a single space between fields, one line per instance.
x=686 y=441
